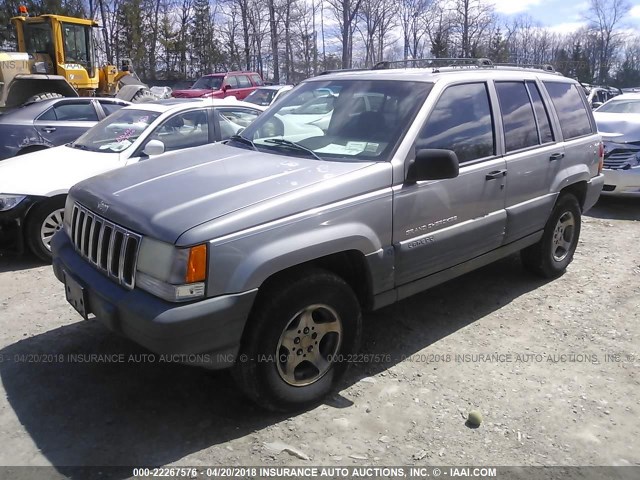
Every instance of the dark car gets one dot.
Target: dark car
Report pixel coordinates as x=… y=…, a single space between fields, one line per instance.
x=221 y=85
x=50 y=123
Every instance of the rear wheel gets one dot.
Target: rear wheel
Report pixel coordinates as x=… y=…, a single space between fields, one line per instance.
x=43 y=222
x=550 y=257
x=43 y=96
x=297 y=342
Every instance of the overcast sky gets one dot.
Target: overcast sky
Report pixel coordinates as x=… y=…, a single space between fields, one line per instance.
x=561 y=15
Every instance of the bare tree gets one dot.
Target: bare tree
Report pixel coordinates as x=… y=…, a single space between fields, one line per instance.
x=604 y=17
x=346 y=12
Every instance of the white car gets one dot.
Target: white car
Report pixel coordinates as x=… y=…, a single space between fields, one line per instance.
x=265 y=96
x=618 y=122
x=33 y=187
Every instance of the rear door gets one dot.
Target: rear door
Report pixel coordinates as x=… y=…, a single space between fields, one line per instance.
x=232 y=81
x=439 y=224
x=67 y=120
x=533 y=157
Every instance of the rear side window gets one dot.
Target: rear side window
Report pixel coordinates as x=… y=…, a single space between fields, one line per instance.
x=243 y=81
x=517 y=116
x=71 y=112
x=257 y=80
x=461 y=121
x=110 y=107
x=542 y=115
x=572 y=111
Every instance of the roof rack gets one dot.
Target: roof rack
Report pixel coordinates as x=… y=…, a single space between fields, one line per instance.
x=537 y=66
x=435 y=63
x=327 y=72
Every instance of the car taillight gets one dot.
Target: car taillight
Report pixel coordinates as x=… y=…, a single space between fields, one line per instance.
x=600 y=157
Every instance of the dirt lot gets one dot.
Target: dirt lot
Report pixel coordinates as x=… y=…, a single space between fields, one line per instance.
x=536 y=366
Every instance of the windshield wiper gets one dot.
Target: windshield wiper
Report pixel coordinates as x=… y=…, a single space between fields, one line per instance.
x=244 y=140
x=296 y=146
x=78 y=146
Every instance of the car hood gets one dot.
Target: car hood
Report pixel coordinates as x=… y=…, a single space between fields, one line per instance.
x=53 y=171
x=193 y=93
x=618 y=127
x=167 y=196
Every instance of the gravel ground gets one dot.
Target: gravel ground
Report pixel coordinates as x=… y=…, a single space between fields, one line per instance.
x=552 y=366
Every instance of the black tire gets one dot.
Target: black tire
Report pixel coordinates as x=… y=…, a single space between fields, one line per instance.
x=259 y=368
x=43 y=96
x=143 y=96
x=38 y=215
x=550 y=257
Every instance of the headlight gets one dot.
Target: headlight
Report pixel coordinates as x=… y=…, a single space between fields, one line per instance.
x=7 y=202
x=174 y=274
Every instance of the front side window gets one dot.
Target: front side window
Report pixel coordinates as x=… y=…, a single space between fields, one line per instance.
x=572 y=111
x=76 y=43
x=243 y=81
x=341 y=119
x=461 y=121
x=517 y=116
x=232 y=82
x=117 y=132
x=75 y=112
x=183 y=130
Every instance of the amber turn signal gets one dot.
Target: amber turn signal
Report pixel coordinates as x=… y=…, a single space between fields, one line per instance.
x=197 y=264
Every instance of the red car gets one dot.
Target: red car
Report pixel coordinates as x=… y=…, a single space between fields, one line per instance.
x=220 y=85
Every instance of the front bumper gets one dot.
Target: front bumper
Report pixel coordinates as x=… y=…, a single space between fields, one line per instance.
x=12 y=226
x=205 y=333
x=594 y=188
x=624 y=183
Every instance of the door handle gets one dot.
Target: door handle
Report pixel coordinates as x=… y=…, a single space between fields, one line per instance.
x=556 y=156
x=49 y=129
x=496 y=174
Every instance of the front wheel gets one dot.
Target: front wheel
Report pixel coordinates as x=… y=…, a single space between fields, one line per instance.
x=43 y=222
x=298 y=340
x=550 y=257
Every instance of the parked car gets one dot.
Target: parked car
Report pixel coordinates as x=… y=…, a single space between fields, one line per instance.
x=221 y=85
x=261 y=254
x=50 y=123
x=265 y=96
x=597 y=95
x=33 y=187
x=618 y=122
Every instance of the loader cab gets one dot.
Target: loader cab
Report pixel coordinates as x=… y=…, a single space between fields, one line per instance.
x=60 y=45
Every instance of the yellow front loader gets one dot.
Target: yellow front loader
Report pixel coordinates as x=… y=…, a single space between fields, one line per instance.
x=57 y=57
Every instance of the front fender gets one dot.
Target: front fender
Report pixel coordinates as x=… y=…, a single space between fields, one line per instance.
x=279 y=254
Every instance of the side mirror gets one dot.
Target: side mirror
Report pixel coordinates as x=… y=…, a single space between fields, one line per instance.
x=153 y=147
x=433 y=164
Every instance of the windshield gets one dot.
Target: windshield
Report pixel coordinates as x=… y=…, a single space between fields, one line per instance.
x=116 y=132
x=341 y=119
x=261 y=96
x=620 y=106
x=208 y=83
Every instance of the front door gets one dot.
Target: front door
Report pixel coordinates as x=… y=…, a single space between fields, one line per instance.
x=439 y=224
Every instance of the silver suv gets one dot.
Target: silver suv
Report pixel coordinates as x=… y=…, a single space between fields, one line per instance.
x=261 y=254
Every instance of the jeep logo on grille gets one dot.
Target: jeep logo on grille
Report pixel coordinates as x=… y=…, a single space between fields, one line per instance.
x=103 y=207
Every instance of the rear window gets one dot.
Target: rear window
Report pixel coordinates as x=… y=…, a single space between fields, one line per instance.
x=571 y=109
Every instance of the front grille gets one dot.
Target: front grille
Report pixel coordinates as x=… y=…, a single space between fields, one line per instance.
x=619 y=158
x=108 y=246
